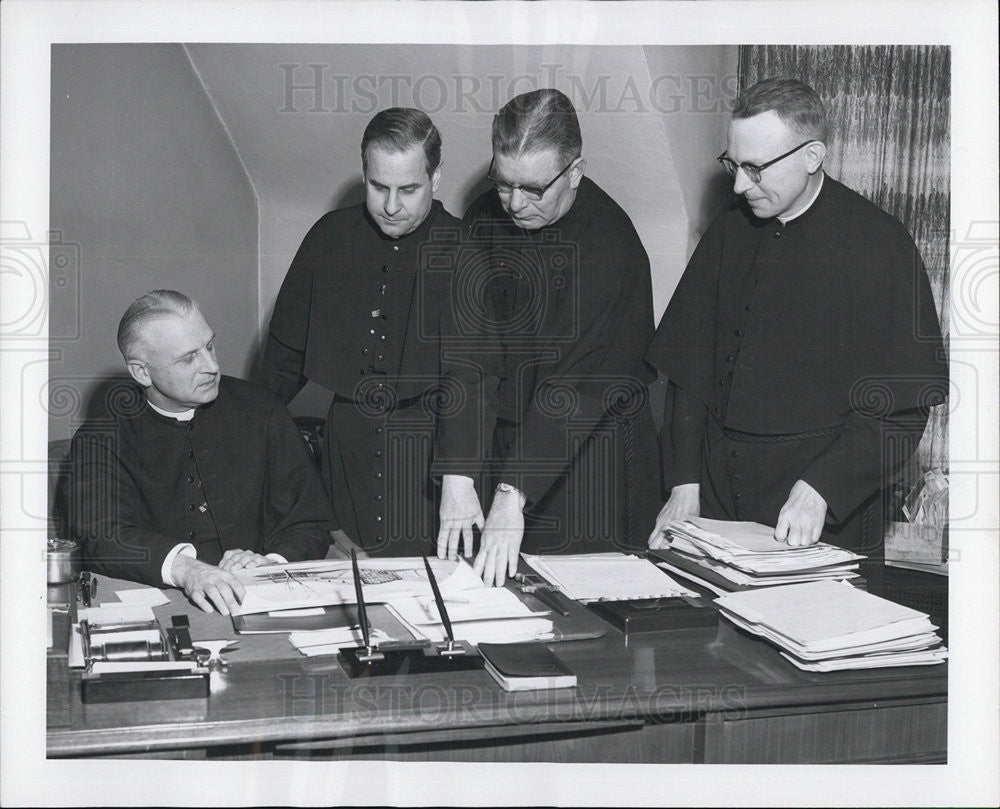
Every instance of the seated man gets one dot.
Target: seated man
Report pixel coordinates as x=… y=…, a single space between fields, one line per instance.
x=207 y=475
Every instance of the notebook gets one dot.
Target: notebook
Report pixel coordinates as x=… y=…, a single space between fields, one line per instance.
x=525 y=666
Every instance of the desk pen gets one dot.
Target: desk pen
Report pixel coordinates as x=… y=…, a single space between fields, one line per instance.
x=441 y=608
x=362 y=611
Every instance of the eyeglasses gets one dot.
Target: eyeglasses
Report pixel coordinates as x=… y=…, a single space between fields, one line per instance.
x=753 y=172
x=530 y=191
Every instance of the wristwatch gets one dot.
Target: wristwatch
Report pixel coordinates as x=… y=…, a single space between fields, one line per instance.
x=506 y=488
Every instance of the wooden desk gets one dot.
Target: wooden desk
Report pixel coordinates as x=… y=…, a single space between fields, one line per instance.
x=697 y=695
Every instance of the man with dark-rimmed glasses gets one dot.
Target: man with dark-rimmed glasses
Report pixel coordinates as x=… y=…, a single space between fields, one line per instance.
x=566 y=294
x=802 y=344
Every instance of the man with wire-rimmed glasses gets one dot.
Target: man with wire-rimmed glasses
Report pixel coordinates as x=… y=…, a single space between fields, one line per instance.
x=802 y=345
x=567 y=295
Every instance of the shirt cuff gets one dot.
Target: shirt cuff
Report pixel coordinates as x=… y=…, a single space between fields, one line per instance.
x=184 y=547
x=277 y=558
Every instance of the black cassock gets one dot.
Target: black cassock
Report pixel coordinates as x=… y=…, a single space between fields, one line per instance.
x=361 y=314
x=569 y=307
x=236 y=476
x=809 y=350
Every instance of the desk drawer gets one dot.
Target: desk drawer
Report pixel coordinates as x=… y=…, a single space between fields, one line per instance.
x=915 y=733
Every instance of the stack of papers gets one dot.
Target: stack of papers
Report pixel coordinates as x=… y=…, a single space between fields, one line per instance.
x=489 y=615
x=746 y=554
x=606 y=577
x=829 y=626
x=329 y=641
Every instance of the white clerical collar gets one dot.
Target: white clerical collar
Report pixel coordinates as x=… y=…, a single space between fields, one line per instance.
x=184 y=415
x=786 y=219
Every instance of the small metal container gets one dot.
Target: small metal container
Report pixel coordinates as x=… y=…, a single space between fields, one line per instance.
x=63 y=561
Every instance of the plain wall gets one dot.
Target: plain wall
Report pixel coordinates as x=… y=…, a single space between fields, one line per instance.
x=148 y=192
x=650 y=117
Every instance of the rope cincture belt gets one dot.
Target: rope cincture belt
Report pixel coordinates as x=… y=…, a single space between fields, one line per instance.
x=737 y=435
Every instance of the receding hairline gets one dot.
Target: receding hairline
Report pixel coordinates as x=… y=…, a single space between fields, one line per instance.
x=154 y=305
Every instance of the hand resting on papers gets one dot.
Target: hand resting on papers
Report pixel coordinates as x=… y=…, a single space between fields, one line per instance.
x=800 y=521
x=206 y=585
x=683 y=503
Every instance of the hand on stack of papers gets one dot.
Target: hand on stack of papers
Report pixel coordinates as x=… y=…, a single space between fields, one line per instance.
x=748 y=555
x=828 y=626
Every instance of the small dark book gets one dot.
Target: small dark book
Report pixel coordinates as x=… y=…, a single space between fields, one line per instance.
x=525 y=666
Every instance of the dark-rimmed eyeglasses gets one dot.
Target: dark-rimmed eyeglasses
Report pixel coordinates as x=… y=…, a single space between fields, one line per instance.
x=530 y=191
x=753 y=172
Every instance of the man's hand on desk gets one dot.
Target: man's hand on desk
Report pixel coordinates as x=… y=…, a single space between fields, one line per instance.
x=684 y=502
x=800 y=521
x=207 y=585
x=501 y=540
x=234 y=560
x=460 y=510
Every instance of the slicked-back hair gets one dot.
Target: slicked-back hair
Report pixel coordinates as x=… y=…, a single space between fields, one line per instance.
x=795 y=102
x=399 y=129
x=154 y=304
x=536 y=121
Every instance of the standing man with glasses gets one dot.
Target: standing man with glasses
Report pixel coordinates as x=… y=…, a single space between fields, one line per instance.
x=567 y=296
x=802 y=345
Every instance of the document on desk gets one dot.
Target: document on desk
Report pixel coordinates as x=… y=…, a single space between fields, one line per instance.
x=747 y=553
x=328 y=641
x=318 y=584
x=828 y=625
x=607 y=576
x=492 y=614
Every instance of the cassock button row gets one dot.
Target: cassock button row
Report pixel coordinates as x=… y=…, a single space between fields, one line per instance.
x=378 y=498
x=731 y=358
x=723 y=381
x=378 y=431
x=364 y=351
x=382 y=337
x=378 y=476
x=190 y=478
x=737 y=496
x=738 y=332
x=378 y=453
x=371 y=331
x=736 y=453
x=380 y=358
x=385 y=268
x=378 y=518
x=378 y=540
x=190 y=453
x=395 y=247
x=191 y=507
x=191 y=534
x=777 y=234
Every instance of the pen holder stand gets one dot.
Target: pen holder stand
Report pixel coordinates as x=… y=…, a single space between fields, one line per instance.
x=425 y=658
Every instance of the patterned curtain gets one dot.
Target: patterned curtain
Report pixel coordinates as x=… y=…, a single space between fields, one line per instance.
x=890 y=110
